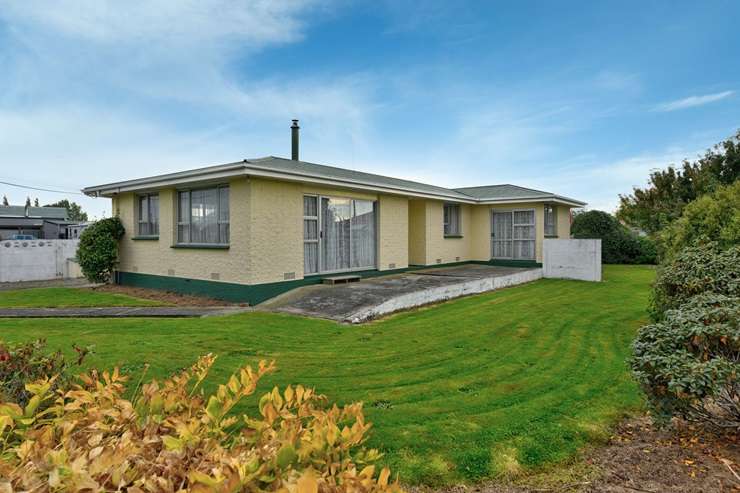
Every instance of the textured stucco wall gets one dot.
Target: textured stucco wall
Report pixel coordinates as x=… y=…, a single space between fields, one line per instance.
x=276 y=231
x=417 y=232
x=563 y=222
x=159 y=258
x=441 y=250
x=572 y=259
x=393 y=233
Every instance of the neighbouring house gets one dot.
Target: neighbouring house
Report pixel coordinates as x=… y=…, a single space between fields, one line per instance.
x=74 y=230
x=249 y=230
x=47 y=223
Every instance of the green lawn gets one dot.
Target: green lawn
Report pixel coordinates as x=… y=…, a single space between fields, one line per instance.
x=461 y=391
x=67 y=297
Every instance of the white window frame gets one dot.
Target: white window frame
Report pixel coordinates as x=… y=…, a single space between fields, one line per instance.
x=148 y=222
x=189 y=222
x=318 y=232
x=446 y=223
x=512 y=239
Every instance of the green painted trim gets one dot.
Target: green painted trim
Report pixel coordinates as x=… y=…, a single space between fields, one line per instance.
x=513 y=263
x=145 y=238
x=200 y=246
x=255 y=294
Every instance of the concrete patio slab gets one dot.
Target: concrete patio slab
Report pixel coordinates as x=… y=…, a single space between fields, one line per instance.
x=371 y=298
x=119 y=312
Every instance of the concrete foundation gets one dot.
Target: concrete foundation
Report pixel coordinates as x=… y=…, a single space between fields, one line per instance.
x=371 y=298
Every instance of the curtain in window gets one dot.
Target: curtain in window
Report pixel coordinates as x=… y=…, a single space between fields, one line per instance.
x=362 y=227
x=524 y=235
x=183 y=215
x=502 y=222
x=451 y=219
x=310 y=235
x=203 y=216
x=550 y=220
x=335 y=218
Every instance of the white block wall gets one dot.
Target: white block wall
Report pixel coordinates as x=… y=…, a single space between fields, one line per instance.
x=572 y=259
x=37 y=260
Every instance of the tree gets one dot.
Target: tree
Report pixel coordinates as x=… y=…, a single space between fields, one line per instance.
x=5 y=200
x=714 y=218
x=74 y=210
x=663 y=200
x=28 y=201
x=36 y=202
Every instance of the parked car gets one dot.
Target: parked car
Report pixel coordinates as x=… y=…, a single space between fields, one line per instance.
x=22 y=237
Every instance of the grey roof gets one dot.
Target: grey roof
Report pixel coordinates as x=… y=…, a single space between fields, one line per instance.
x=12 y=211
x=48 y=212
x=288 y=169
x=342 y=174
x=38 y=212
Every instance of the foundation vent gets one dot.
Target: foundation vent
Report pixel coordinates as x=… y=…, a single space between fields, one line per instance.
x=215 y=276
x=439 y=260
x=170 y=272
x=457 y=259
x=134 y=268
x=288 y=276
x=391 y=266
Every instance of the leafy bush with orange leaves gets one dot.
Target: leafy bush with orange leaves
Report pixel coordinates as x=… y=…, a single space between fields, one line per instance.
x=173 y=437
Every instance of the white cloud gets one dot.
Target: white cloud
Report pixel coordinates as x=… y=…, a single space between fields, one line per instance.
x=693 y=101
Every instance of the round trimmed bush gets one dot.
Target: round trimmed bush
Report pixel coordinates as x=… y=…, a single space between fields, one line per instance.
x=688 y=364
x=98 y=249
x=695 y=270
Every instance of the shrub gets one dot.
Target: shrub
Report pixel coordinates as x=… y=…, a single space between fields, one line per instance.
x=695 y=270
x=711 y=218
x=688 y=364
x=98 y=249
x=171 y=436
x=619 y=245
x=21 y=364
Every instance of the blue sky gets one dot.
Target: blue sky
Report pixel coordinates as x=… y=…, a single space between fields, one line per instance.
x=579 y=98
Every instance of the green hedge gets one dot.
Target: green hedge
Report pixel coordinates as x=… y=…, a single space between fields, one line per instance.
x=619 y=245
x=98 y=249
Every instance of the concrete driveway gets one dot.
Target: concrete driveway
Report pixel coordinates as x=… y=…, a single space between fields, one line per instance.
x=370 y=298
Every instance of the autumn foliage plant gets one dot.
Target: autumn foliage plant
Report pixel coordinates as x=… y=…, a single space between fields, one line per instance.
x=173 y=436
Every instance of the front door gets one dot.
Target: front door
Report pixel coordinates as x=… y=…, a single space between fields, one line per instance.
x=513 y=234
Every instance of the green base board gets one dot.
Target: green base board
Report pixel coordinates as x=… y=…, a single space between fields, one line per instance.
x=257 y=293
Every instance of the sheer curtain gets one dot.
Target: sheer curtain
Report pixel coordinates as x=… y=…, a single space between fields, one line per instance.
x=524 y=235
x=363 y=234
x=502 y=247
x=335 y=220
x=310 y=235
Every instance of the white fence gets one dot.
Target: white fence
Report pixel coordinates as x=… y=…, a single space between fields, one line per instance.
x=38 y=260
x=572 y=259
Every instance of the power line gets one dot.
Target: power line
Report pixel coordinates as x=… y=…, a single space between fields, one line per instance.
x=40 y=189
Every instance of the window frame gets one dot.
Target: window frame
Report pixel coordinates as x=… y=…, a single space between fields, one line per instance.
x=554 y=215
x=446 y=223
x=148 y=222
x=189 y=222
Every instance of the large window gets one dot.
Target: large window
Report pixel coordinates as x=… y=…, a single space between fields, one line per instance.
x=148 y=215
x=513 y=234
x=203 y=216
x=338 y=234
x=310 y=234
x=551 y=220
x=452 y=220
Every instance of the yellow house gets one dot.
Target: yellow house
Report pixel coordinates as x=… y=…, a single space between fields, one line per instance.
x=249 y=230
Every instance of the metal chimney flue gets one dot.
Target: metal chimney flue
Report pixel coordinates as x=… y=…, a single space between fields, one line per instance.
x=295 y=138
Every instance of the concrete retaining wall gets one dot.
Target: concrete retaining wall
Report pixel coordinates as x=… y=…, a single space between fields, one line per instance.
x=433 y=295
x=38 y=260
x=572 y=259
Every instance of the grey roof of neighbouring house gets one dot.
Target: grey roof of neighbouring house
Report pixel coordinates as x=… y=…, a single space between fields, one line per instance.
x=37 y=212
x=288 y=169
